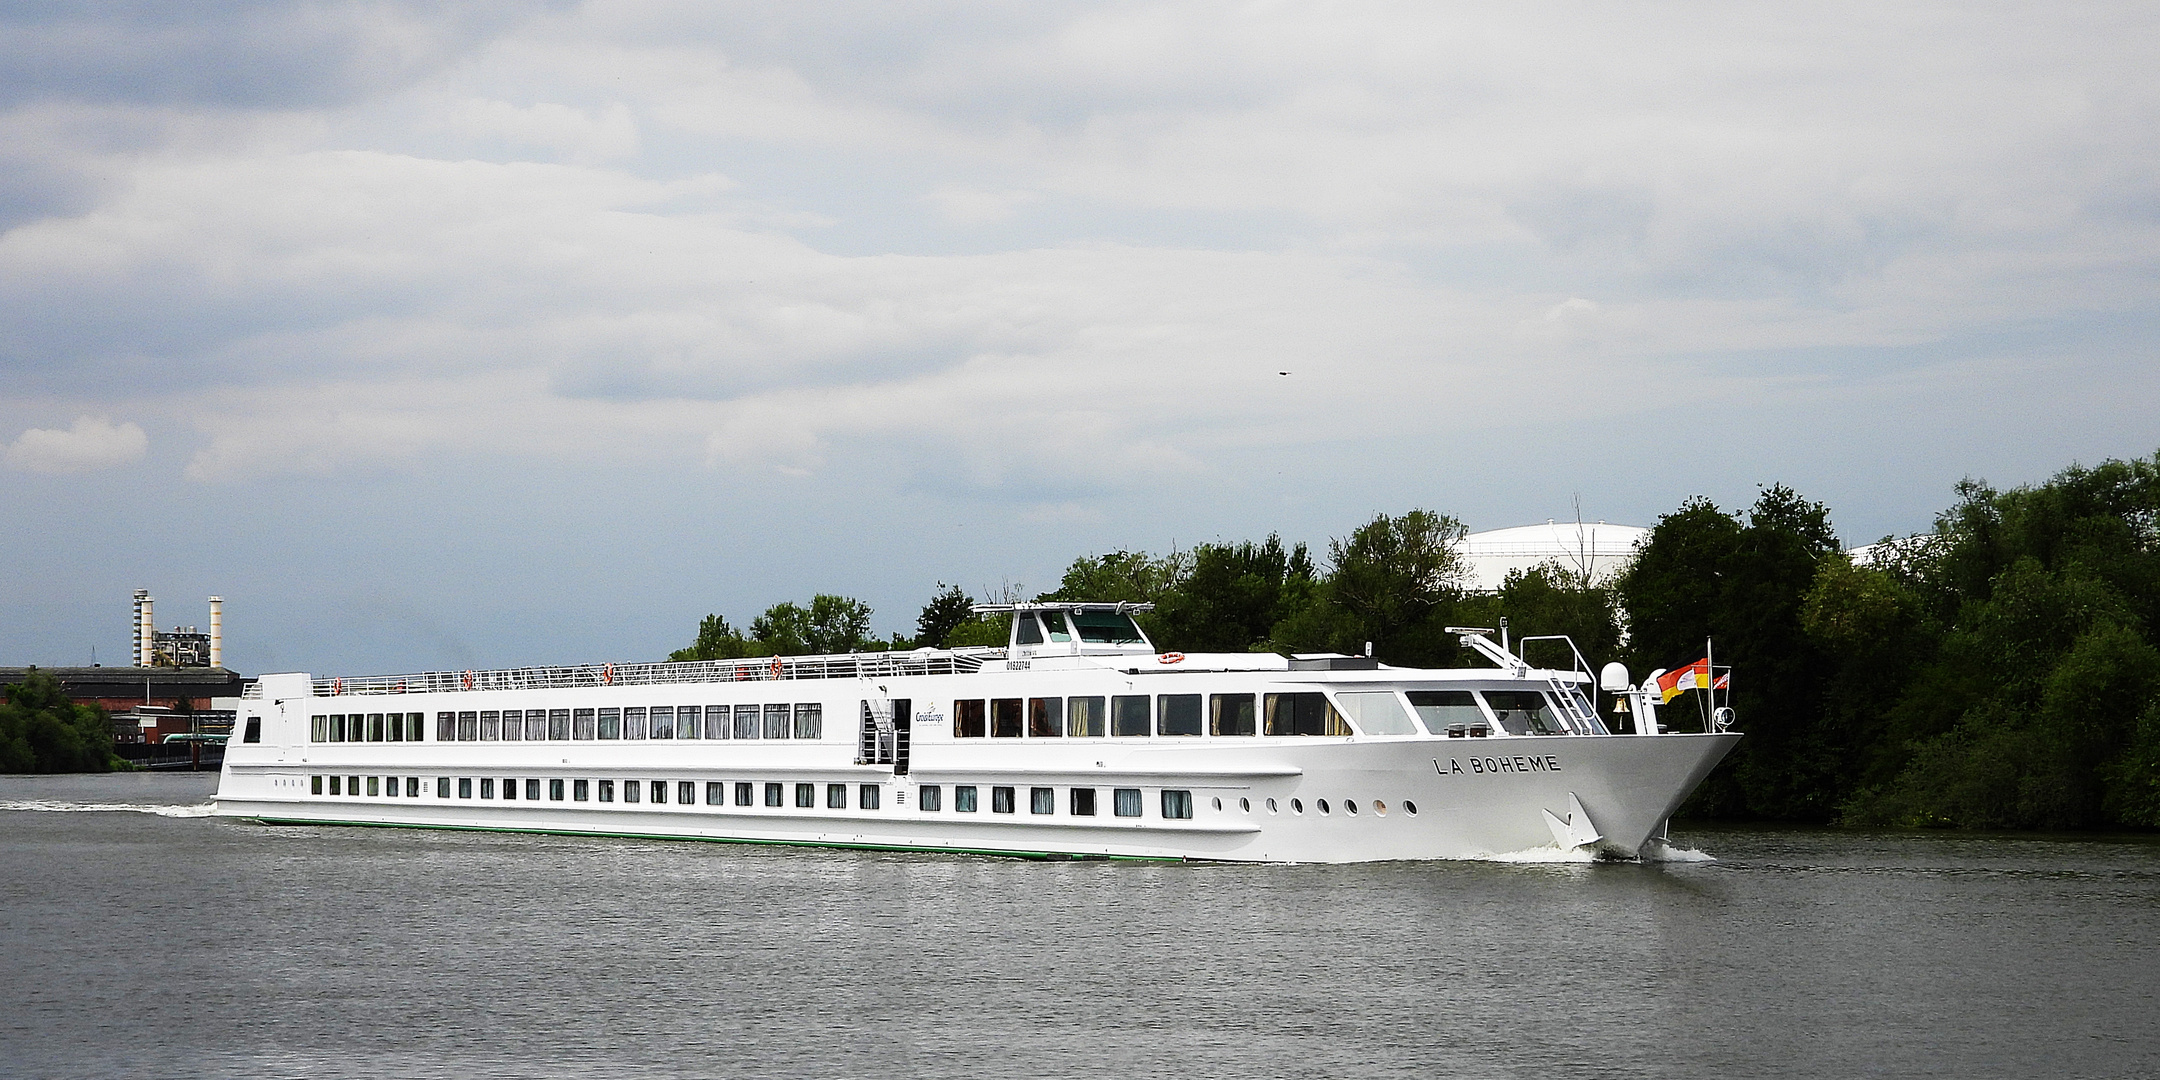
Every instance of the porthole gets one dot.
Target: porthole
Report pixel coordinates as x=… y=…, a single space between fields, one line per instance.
x=1218 y=806
x=1297 y=806
x=1245 y=805
x=1350 y=807
x=1321 y=805
x=1409 y=808
x=1271 y=806
x=1379 y=808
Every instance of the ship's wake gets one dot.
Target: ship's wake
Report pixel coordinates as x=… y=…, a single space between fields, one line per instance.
x=1654 y=852
x=162 y=810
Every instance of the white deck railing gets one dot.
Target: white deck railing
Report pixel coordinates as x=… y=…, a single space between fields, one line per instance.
x=751 y=669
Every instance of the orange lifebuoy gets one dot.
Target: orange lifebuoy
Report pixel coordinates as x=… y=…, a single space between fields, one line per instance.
x=337 y=686
x=1171 y=658
x=468 y=680
x=607 y=673
x=775 y=667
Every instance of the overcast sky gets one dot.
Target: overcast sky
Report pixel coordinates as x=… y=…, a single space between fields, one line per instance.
x=439 y=336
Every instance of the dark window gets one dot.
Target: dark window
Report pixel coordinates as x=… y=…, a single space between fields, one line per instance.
x=659 y=792
x=1177 y=804
x=805 y=795
x=389 y=784
x=445 y=727
x=532 y=790
x=685 y=792
x=558 y=724
x=1524 y=712
x=632 y=791
x=554 y=791
x=1005 y=718
x=337 y=785
x=1001 y=800
x=660 y=722
x=412 y=784
x=395 y=730
x=609 y=721
x=487 y=788
x=1026 y=631
x=334 y=727
x=810 y=721
x=468 y=727
x=319 y=728
x=742 y=793
x=464 y=787
x=1042 y=800
x=717 y=722
x=581 y=723
x=509 y=789
x=746 y=722
x=535 y=725
x=580 y=790
x=927 y=797
x=1084 y=718
x=773 y=795
x=969 y=720
x=374 y=786
x=836 y=796
x=442 y=787
x=1107 y=628
x=317 y=786
x=776 y=721
x=490 y=725
x=414 y=722
x=1046 y=717
x=254 y=730
x=1232 y=714
x=688 y=722
x=963 y=799
x=1083 y=802
x=607 y=791
x=1129 y=716
x=868 y=797
x=715 y=793
x=1448 y=712
x=1126 y=802
x=374 y=727
x=352 y=785
x=633 y=723
x=1179 y=715
x=1303 y=714
x=513 y=725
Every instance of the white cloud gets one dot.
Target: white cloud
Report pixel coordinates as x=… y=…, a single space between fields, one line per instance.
x=91 y=444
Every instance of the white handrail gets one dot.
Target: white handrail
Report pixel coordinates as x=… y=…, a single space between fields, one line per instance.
x=749 y=669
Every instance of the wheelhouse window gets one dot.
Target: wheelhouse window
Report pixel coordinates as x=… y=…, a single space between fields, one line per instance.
x=512 y=727
x=776 y=721
x=1026 y=631
x=1086 y=718
x=1125 y=802
x=1005 y=718
x=1303 y=714
x=1376 y=712
x=970 y=719
x=1451 y=713
x=1179 y=714
x=1129 y=715
x=810 y=720
x=1524 y=712
x=1106 y=628
x=1046 y=717
x=1054 y=626
x=1232 y=714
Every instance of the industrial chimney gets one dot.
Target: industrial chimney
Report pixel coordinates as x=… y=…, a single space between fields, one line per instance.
x=217 y=631
x=146 y=631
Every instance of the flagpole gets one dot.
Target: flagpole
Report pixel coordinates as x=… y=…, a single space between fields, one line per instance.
x=1709 y=653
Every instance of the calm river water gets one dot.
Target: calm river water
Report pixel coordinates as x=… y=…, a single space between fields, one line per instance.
x=156 y=942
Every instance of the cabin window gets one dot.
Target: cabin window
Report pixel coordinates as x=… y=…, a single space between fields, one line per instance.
x=1083 y=802
x=772 y=795
x=389 y=783
x=1054 y=625
x=445 y=728
x=607 y=791
x=1125 y=802
x=659 y=792
x=581 y=723
x=633 y=723
x=512 y=727
x=468 y=726
x=746 y=721
x=1303 y=714
x=810 y=720
x=1005 y=718
x=337 y=785
x=805 y=796
x=1001 y=800
x=464 y=787
x=632 y=791
x=1106 y=628
x=316 y=788
x=487 y=789
x=1026 y=631
x=1085 y=718
x=1232 y=714
x=509 y=788
x=836 y=796
x=718 y=722
x=374 y=727
x=395 y=732
x=558 y=724
x=963 y=798
x=1176 y=804
x=319 y=728
x=1321 y=805
x=490 y=725
x=253 y=731
x=1524 y=712
x=1447 y=712
x=609 y=723
x=715 y=793
x=660 y=722
x=535 y=725
x=412 y=786
x=1376 y=712
x=927 y=797
x=1046 y=717
x=685 y=792
x=1042 y=800
x=970 y=720
x=688 y=723
x=580 y=790
x=414 y=723
x=1179 y=715
x=532 y=790
x=1129 y=715
x=352 y=785
x=867 y=798
x=744 y=793
x=776 y=721
x=442 y=787
x=334 y=727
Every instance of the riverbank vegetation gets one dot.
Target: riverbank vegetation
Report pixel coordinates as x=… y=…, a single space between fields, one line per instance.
x=41 y=731
x=1998 y=671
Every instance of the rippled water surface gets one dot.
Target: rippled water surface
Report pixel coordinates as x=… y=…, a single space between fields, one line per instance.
x=142 y=939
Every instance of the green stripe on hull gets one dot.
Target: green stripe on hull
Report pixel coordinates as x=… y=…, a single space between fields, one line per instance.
x=848 y=845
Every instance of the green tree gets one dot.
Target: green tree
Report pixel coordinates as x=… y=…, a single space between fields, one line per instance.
x=947 y=611
x=716 y=640
x=1233 y=596
x=41 y=731
x=831 y=624
x=1392 y=582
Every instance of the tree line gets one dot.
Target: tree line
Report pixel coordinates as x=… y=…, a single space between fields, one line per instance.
x=1997 y=671
x=42 y=731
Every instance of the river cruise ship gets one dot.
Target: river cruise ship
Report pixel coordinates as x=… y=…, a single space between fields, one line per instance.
x=1078 y=739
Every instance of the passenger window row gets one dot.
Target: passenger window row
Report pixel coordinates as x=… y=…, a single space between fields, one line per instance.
x=1079 y=802
x=799 y=720
x=655 y=792
x=1139 y=715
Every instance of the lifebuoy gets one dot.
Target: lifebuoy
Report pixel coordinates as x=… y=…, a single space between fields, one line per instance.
x=468 y=680
x=337 y=686
x=775 y=667
x=1171 y=658
x=607 y=673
